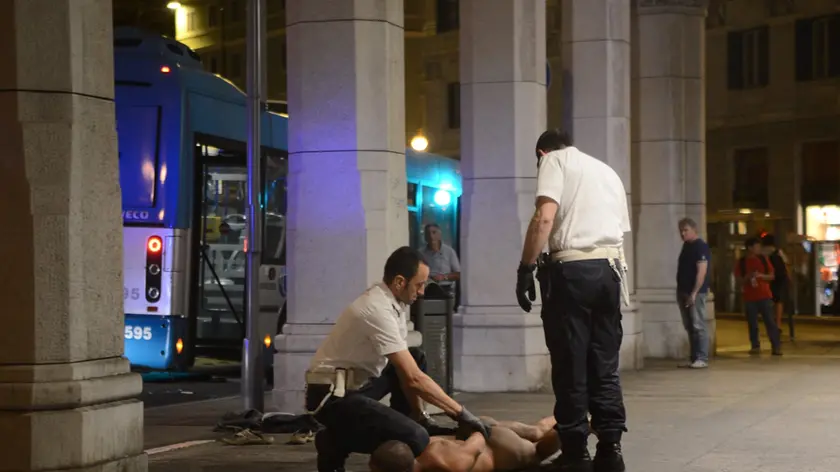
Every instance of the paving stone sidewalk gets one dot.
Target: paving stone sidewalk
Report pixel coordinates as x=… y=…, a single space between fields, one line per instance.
x=742 y=415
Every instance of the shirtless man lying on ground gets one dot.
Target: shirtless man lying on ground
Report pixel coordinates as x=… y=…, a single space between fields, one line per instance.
x=511 y=446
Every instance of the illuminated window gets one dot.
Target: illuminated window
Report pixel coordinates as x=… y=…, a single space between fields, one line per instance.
x=823 y=222
x=191 y=19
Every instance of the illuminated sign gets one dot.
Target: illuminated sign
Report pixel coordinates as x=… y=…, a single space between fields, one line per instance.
x=136 y=215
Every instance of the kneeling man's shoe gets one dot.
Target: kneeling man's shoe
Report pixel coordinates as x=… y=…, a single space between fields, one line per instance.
x=330 y=457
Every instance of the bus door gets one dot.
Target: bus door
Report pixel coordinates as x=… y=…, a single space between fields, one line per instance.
x=222 y=223
x=221 y=252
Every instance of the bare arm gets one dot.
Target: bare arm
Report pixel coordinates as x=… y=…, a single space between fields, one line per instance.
x=416 y=382
x=745 y=277
x=455 y=269
x=702 y=267
x=452 y=276
x=538 y=229
x=771 y=273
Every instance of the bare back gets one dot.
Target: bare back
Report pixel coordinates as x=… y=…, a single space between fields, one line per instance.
x=511 y=452
x=449 y=455
x=504 y=451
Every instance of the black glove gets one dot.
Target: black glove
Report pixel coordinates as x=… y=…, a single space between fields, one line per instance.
x=433 y=428
x=469 y=420
x=526 y=291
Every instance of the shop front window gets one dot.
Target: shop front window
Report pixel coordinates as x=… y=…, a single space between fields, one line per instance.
x=440 y=207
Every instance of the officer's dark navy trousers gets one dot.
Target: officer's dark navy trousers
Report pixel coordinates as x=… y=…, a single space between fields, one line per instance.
x=360 y=423
x=582 y=323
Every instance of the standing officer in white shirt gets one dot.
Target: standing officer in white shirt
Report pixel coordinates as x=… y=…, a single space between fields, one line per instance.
x=364 y=358
x=581 y=212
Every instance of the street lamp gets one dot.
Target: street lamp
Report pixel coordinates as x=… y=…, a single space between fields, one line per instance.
x=419 y=143
x=173 y=5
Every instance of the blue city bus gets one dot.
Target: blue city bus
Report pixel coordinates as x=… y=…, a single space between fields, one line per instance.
x=182 y=155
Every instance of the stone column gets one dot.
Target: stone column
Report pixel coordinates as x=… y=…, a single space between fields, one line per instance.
x=596 y=59
x=66 y=392
x=669 y=154
x=497 y=346
x=347 y=183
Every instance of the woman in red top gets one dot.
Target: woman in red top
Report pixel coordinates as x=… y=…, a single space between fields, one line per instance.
x=755 y=272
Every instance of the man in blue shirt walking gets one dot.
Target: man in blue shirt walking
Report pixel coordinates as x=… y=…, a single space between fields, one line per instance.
x=692 y=288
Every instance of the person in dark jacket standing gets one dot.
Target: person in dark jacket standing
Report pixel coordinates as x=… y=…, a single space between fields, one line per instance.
x=692 y=288
x=780 y=285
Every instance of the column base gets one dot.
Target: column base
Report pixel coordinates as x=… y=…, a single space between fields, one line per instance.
x=295 y=348
x=664 y=334
x=80 y=417
x=499 y=350
x=632 y=355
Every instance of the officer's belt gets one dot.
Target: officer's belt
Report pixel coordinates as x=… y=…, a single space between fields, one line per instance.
x=572 y=255
x=336 y=380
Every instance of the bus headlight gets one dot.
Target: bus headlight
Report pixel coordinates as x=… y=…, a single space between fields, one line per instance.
x=154 y=293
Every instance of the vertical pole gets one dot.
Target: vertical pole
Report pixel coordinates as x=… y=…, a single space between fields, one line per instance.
x=252 y=370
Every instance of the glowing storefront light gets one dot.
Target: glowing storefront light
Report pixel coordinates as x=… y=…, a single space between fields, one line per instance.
x=442 y=198
x=823 y=222
x=419 y=143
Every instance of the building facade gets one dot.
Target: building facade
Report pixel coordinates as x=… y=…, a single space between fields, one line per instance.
x=773 y=110
x=774 y=137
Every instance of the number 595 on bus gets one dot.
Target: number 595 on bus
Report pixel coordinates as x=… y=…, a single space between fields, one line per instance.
x=137 y=332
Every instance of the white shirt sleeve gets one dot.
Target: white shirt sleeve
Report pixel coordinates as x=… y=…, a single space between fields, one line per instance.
x=550 y=178
x=453 y=259
x=625 y=212
x=384 y=331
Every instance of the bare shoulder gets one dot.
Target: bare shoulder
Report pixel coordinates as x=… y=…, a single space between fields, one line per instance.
x=446 y=455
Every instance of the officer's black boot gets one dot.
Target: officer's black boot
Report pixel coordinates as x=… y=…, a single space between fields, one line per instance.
x=330 y=457
x=608 y=457
x=575 y=456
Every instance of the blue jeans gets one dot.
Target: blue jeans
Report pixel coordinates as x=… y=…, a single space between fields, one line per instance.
x=765 y=307
x=694 y=321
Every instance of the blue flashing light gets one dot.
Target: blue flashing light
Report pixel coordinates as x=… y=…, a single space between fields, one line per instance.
x=442 y=197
